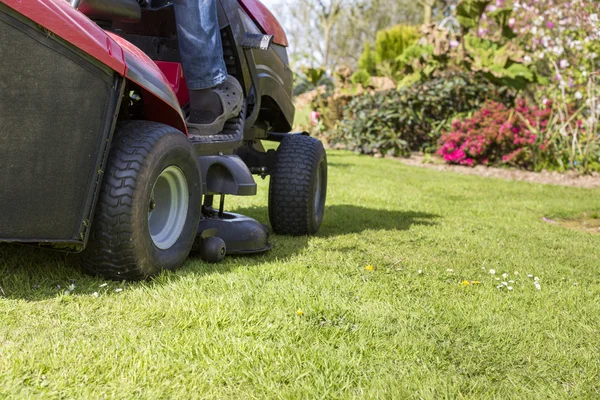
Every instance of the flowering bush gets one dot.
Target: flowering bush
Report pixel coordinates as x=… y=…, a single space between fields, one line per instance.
x=555 y=136
x=574 y=133
x=496 y=135
x=561 y=37
x=557 y=40
x=546 y=50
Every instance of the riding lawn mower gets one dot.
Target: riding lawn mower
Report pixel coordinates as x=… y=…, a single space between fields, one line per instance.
x=95 y=157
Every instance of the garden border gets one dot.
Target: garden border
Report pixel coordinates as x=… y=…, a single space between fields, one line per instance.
x=544 y=177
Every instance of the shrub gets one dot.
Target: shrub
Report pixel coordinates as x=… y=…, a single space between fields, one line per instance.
x=367 y=60
x=562 y=38
x=496 y=135
x=554 y=136
x=487 y=46
x=390 y=43
x=573 y=131
x=361 y=77
x=411 y=118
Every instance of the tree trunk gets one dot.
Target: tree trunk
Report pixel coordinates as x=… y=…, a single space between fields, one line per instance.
x=428 y=11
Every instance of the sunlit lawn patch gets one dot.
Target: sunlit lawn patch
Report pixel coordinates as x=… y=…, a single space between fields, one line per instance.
x=587 y=222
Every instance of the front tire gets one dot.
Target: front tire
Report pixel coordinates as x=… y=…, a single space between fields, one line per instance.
x=298 y=186
x=149 y=206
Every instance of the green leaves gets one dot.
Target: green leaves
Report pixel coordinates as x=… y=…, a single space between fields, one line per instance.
x=361 y=77
x=503 y=65
x=414 y=57
x=391 y=42
x=469 y=12
x=367 y=59
x=380 y=59
x=520 y=71
x=314 y=75
x=502 y=16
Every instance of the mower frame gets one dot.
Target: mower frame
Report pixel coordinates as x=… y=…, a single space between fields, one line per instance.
x=120 y=74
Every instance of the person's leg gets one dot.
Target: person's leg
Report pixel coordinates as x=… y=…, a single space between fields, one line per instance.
x=201 y=55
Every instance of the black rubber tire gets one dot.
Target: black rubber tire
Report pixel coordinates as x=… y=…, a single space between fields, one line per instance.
x=120 y=245
x=299 y=162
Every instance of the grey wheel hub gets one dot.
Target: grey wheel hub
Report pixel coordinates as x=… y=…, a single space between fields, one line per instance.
x=168 y=207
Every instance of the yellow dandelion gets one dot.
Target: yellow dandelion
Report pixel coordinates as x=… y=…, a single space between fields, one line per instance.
x=370 y=268
x=466 y=283
x=475 y=283
x=300 y=313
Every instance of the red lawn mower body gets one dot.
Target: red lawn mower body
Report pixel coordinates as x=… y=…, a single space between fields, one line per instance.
x=73 y=74
x=62 y=20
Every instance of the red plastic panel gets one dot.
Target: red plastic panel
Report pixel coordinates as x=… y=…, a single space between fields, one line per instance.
x=65 y=22
x=174 y=73
x=265 y=20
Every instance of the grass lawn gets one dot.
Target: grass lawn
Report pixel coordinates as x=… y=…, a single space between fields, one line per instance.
x=411 y=330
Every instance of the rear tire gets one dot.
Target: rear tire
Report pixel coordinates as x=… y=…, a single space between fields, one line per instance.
x=298 y=186
x=149 y=205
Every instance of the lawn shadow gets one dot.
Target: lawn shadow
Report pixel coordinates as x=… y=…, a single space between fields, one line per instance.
x=345 y=218
x=338 y=164
x=342 y=219
x=33 y=274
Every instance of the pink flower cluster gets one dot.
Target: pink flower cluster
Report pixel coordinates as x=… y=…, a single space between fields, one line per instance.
x=314 y=117
x=495 y=135
x=458 y=148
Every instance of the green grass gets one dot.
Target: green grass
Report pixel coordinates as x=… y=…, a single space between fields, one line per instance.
x=232 y=330
x=302 y=117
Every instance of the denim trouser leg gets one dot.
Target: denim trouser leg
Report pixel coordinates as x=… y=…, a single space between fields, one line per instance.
x=200 y=43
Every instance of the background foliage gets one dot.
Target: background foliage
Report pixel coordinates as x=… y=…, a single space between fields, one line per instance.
x=468 y=65
x=411 y=118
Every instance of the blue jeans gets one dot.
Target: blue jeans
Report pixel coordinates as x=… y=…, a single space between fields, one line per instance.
x=200 y=43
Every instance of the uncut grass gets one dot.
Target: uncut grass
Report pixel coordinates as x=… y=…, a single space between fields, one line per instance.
x=232 y=330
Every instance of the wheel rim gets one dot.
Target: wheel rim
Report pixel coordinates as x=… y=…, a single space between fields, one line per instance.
x=168 y=207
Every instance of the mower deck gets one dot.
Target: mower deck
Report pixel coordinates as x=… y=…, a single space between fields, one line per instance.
x=242 y=235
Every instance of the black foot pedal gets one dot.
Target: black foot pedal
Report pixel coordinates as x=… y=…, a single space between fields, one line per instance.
x=257 y=41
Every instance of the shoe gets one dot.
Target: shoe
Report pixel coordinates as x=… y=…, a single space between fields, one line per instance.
x=232 y=98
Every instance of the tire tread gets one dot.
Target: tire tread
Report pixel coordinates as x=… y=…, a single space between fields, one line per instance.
x=290 y=187
x=110 y=249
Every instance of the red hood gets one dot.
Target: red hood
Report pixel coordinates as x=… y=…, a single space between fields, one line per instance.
x=58 y=17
